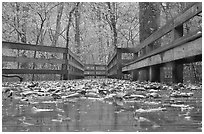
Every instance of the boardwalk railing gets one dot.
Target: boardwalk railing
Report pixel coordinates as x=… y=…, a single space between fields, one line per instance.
x=147 y=55
x=95 y=70
x=75 y=68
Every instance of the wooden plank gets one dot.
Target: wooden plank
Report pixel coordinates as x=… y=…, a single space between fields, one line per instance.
x=50 y=61
x=127 y=50
x=94 y=70
x=91 y=65
x=180 y=41
x=30 y=71
x=35 y=60
x=21 y=46
x=75 y=74
x=192 y=11
x=114 y=66
x=184 y=51
x=76 y=58
x=94 y=65
x=114 y=56
x=94 y=75
x=38 y=71
x=114 y=72
x=75 y=65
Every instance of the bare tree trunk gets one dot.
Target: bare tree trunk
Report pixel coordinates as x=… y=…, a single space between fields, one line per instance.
x=18 y=34
x=112 y=12
x=37 y=40
x=77 y=34
x=65 y=66
x=56 y=35
x=58 y=24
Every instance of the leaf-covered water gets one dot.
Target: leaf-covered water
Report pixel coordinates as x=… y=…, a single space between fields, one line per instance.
x=100 y=105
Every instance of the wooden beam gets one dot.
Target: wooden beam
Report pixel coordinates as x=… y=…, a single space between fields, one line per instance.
x=75 y=58
x=113 y=56
x=127 y=50
x=94 y=75
x=94 y=64
x=90 y=70
x=30 y=71
x=35 y=60
x=38 y=71
x=188 y=38
x=110 y=68
x=75 y=65
x=22 y=46
x=184 y=51
x=75 y=74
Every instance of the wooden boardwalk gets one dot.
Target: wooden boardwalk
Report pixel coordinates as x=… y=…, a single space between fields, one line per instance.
x=148 y=64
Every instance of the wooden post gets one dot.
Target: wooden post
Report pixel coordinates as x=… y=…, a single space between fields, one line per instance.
x=154 y=73
x=94 y=71
x=119 y=64
x=65 y=66
x=177 y=68
x=177 y=72
x=135 y=75
x=143 y=74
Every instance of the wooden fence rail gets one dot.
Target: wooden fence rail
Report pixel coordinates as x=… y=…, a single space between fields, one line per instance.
x=116 y=64
x=75 y=67
x=95 y=70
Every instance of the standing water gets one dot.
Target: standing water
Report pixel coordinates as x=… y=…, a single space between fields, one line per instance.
x=100 y=105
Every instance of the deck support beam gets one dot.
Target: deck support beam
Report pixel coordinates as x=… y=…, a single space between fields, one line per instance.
x=154 y=73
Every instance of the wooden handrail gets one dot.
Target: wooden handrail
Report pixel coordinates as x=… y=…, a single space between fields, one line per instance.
x=188 y=13
x=75 y=63
x=95 y=70
x=23 y=46
x=176 y=43
x=181 y=18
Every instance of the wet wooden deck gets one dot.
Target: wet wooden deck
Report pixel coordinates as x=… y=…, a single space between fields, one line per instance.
x=38 y=113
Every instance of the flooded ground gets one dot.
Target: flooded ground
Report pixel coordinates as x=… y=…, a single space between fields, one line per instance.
x=26 y=110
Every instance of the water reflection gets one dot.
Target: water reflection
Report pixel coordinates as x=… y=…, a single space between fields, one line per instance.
x=97 y=115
